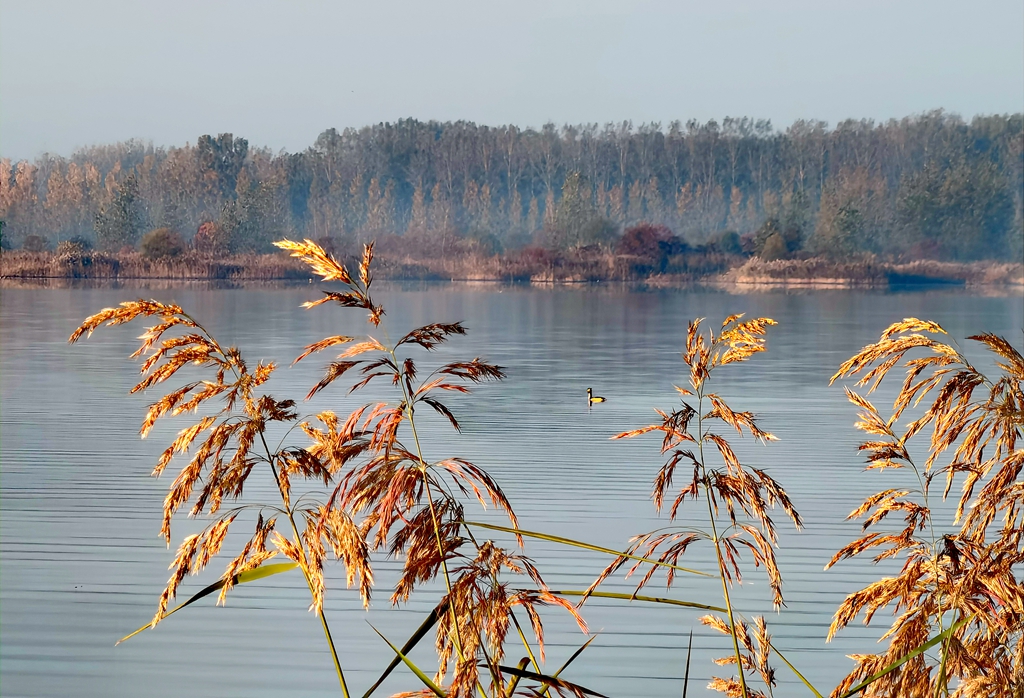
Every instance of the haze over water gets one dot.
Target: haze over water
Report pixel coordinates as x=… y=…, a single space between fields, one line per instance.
x=82 y=564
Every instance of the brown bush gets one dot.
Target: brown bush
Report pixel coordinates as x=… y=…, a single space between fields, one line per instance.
x=35 y=243
x=162 y=243
x=210 y=240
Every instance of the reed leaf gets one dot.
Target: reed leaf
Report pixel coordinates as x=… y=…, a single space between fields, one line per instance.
x=792 y=668
x=637 y=597
x=586 y=546
x=907 y=657
x=514 y=683
x=244 y=577
x=425 y=626
x=569 y=661
x=412 y=666
x=689 y=653
x=549 y=681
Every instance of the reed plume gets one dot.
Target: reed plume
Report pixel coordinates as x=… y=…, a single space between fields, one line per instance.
x=958 y=578
x=738 y=497
x=407 y=503
x=378 y=493
x=223 y=447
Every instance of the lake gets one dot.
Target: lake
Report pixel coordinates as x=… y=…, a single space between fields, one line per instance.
x=81 y=564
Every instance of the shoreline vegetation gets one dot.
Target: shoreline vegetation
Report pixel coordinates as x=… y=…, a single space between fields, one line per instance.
x=536 y=266
x=929 y=199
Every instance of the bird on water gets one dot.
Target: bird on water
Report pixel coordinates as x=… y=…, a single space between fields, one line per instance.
x=591 y=398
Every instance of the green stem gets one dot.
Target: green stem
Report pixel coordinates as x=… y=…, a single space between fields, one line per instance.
x=305 y=572
x=433 y=512
x=718 y=550
x=291 y=519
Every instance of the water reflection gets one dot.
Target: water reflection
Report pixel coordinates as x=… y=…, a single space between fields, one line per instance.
x=82 y=564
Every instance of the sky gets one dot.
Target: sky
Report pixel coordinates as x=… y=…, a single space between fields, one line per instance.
x=79 y=73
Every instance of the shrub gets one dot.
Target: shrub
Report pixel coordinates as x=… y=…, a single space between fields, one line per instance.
x=728 y=243
x=162 y=243
x=73 y=256
x=35 y=243
x=211 y=240
x=75 y=246
x=789 y=234
x=774 y=248
x=650 y=241
x=653 y=244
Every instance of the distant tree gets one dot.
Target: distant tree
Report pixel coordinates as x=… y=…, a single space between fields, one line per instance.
x=932 y=184
x=851 y=213
x=786 y=239
x=652 y=243
x=255 y=218
x=728 y=242
x=162 y=243
x=35 y=243
x=221 y=160
x=965 y=212
x=120 y=222
x=418 y=214
x=774 y=248
x=840 y=233
x=211 y=240
x=575 y=222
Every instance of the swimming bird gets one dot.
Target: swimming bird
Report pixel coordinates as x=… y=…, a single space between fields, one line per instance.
x=591 y=398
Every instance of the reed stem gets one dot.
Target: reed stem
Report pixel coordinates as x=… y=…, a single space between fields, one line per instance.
x=718 y=550
x=433 y=517
x=305 y=572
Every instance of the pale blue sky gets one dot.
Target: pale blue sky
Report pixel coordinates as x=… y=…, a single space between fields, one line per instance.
x=278 y=73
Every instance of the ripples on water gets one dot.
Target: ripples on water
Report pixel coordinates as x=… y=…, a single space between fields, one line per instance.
x=81 y=563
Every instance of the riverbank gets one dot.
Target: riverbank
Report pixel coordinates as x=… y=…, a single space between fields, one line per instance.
x=530 y=265
x=823 y=273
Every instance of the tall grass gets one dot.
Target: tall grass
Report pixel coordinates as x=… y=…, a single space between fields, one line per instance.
x=400 y=260
x=353 y=486
x=958 y=577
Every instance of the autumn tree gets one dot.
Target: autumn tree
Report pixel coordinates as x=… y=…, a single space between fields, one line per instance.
x=121 y=221
x=964 y=212
x=575 y=222
x=931 y=185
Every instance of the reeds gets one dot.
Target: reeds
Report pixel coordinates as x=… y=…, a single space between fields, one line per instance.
x=361 y=485
x=819 y=271
x=737 y=497
x=958 y=580
x=379 y=493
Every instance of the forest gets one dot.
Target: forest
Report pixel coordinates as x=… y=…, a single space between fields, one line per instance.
x=927 y=187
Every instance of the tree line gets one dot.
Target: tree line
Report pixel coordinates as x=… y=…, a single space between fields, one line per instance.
x=926 y=186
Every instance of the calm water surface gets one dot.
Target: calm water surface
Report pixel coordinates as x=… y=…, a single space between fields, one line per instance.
x=81 y=564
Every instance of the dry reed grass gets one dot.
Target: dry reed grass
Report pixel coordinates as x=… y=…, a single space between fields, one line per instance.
x=468 y=263
x=958 y=577
x=532 y=264
x=132 y=265
x=368 y=488
x=819 y=271
x=379 y=493
x=738 y=497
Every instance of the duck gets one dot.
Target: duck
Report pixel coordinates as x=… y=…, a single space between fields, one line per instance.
x=591 y=398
